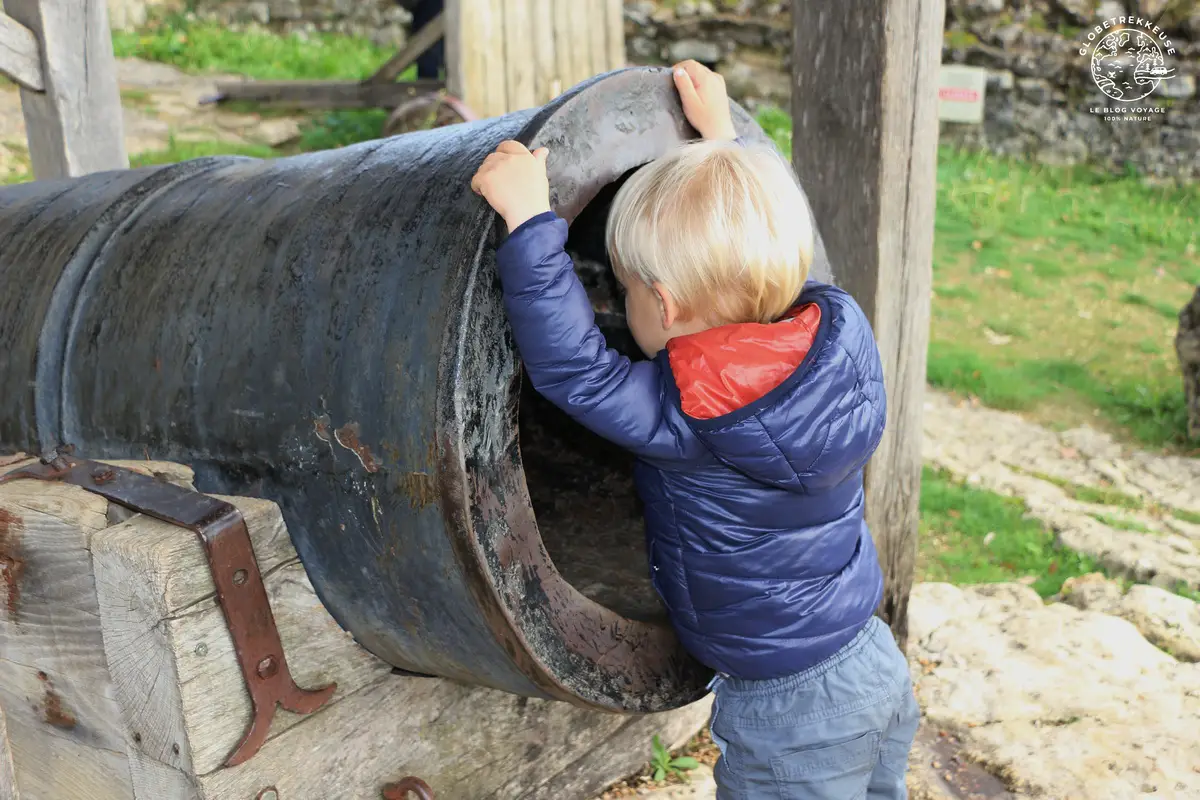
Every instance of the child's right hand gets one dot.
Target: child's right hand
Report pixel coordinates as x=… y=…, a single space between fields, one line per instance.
x=705 y=102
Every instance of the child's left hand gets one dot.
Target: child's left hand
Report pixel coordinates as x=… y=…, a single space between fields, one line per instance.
x=513 y=181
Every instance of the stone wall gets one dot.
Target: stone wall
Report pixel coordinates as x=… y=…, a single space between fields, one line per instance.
x=1040 y=91
x=1040 y=96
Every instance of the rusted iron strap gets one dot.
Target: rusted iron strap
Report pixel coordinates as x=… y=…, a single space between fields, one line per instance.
x=241 y=593
x=401 y=789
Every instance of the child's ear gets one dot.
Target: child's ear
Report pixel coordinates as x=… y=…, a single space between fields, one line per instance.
x=667 y=307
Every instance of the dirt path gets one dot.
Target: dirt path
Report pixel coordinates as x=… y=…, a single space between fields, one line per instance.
x=160 y=102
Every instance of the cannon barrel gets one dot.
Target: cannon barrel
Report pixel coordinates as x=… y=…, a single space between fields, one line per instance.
x=327 y=331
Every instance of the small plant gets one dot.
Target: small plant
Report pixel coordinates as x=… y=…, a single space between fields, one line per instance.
x=664 y=764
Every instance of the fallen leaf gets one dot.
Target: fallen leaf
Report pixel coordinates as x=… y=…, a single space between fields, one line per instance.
x=1068 y=452
x=976 y=245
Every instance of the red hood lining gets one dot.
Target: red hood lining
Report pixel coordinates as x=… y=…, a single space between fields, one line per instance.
x=723 y=369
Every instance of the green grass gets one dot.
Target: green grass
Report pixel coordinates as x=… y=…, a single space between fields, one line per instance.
x=777 y=124
x=1092 y=268
x=1085 y=272
x=206 y=47
x=1094 y=495
x=200 y=47
x=971 y=536
x=1119 y=523
x=1167 y=310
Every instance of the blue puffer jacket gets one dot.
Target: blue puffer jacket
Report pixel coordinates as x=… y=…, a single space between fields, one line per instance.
x=751 y=440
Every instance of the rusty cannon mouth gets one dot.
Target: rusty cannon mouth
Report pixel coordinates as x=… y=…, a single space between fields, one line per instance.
x=327 y=331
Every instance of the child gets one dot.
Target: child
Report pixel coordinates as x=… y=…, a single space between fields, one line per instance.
x=752 y=422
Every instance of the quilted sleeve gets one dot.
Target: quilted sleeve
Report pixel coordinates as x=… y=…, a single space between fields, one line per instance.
x=564 y=352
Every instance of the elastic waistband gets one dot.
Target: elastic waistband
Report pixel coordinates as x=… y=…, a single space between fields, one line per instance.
x=865 y=636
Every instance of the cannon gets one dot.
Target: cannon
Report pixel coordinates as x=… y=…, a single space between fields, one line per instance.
x=326 y=331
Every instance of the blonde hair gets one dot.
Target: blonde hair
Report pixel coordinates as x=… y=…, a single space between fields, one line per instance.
x=723 y=226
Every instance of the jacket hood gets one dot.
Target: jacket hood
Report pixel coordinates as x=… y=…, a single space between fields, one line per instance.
x=797 y=404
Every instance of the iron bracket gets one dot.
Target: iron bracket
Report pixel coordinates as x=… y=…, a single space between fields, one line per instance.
x=241 y=593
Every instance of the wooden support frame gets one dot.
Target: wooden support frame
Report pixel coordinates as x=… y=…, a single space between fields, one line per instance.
x=119 y=679
x=865 y=129
x=378 y=91
x=312 y=95
x=507 y=55
x=72 y=105
x=20 y=57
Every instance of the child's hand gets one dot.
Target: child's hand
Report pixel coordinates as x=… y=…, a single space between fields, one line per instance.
x=514 y=182
x=705 y=102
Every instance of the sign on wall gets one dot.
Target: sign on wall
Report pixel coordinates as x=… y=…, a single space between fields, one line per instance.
x=960 y=93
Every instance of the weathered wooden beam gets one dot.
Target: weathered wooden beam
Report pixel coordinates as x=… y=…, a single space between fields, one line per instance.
x=324 y=94
x=615 y=22
x=424 y=39
x=75 y=125
x=865 y=128
x=20 y=56
x=170 y=652
x=520 y=61
x=63 y=733
x=185 y=705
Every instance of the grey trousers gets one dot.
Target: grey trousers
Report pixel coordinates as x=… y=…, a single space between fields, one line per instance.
x=841 y=730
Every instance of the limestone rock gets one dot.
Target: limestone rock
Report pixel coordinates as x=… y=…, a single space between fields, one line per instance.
x=1059 y=702
x=276 y=132
x=1091 y=491
x=705 y=52
x=1187 y=347
x=1167 y=620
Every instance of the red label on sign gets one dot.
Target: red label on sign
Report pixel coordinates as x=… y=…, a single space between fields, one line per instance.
x=958 y=95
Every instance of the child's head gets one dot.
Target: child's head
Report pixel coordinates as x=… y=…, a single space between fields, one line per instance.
x=711 y=234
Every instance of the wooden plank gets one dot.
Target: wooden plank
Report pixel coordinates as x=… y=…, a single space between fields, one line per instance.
x=581 y=55
x=324 y=94
x=564 y=44
x=75 y=126
x=173 y=663
x=475 y=55
x=413 y=49
x=63 y=743
x=614 y=19
x=597 y=35
x=864 y=110
x=170 y=654
x=20 y=57
x=546 y=85
x=519 y=63
x=63 y=723
x=8 y=769
x=489 y=29
x=466 y=742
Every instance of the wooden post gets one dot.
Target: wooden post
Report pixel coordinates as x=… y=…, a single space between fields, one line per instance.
x=20 y=58
x=74 y=124
x=507 y=55
x=865 y=128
